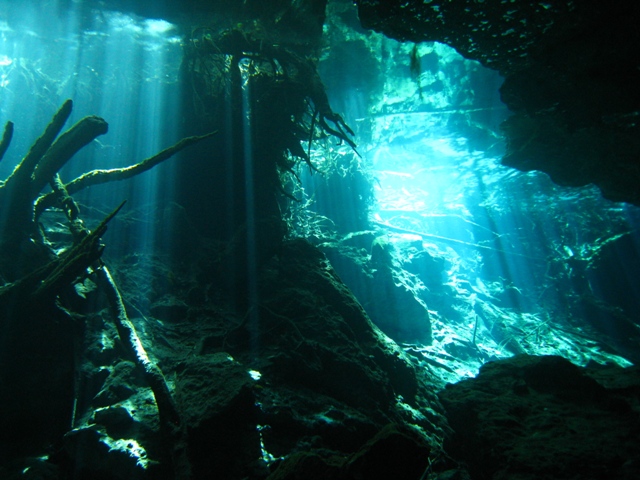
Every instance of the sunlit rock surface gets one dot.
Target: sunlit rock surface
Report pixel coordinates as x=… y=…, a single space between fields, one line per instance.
x=390 y=295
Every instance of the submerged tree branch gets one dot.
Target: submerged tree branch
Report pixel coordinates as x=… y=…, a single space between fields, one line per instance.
x=88 y=247
x=170 y=422
x=48 y=280
x=65 y=147
x=22 y=173
x=45 y=158
x=74 y=263
x=55 y=271
x=97 y=177
x=6 y=138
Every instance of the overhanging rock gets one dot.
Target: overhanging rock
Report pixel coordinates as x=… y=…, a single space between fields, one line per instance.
x=570 y=73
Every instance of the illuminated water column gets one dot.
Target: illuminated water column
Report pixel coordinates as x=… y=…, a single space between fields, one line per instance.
x=253 y=321
x=249 y=169
x=140 y=100
x=32 y=39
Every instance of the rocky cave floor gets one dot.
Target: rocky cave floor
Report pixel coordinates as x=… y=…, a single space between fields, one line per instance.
x=299 y=383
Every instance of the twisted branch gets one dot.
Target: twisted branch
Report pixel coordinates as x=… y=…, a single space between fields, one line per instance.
x=100 y=176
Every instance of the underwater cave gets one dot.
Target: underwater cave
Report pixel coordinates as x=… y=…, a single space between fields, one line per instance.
x=319 y=239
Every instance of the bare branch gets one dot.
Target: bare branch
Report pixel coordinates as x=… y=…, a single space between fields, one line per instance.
x=97 y=177
x=75 y=261
x=6 y=138
x=47 y=280
x=65 y=147
x=22 y=173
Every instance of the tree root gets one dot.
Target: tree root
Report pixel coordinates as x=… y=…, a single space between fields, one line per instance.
x=301 y=72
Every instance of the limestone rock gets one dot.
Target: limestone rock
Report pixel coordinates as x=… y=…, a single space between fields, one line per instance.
x=543 y=417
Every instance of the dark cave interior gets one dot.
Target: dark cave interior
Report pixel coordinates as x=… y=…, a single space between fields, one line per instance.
x=369 y=239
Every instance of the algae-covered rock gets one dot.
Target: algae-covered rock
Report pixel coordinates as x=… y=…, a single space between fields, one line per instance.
x=531 y=417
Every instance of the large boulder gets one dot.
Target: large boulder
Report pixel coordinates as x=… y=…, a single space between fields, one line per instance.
x=531 y=417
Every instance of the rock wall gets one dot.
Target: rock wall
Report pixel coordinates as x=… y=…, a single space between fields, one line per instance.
x=570 y=73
